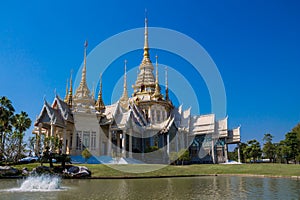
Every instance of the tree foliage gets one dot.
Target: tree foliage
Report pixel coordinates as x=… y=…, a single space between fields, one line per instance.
x=21 y=122
x=292 y=144
x=252 y=150
x=269 y=150
x=12 y=130
x=6 y=118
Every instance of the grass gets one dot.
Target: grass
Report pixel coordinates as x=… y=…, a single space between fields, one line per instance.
x=186 y=170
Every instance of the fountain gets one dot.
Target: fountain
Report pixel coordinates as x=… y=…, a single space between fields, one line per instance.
x=40 y=183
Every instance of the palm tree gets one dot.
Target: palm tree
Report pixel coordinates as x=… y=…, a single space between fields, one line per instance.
x=6 y=118
x=21 y=123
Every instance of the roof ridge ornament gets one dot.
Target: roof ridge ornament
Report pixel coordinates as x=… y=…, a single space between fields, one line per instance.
x=70 y=96
x=82 y=92
x=99 y=106
x=167 y=86
x=145 y=79
x=157 y=93
x=124 y=99
x=67 y=91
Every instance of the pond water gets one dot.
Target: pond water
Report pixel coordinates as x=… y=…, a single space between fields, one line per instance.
x=210 y=187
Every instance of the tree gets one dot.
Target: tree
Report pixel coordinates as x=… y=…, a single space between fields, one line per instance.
x=269 y=147
x=21 y=123
x=243 y=153
x=268 y=137
x=184 y=155
x=281 y=151
x=86 y=154
x=31 y=145
x=11 y=147
x=47 y=156
x=292 y=142
x=296 y=129
x=253 y=150
x=6 y=117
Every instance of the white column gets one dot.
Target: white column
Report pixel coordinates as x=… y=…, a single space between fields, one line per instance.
x=124 y=144
x=150 y=115
x=69 y=142
x=64 y=150
x=176 y=141
x=109 y=141
x=51 y=136
x=226 y=152
x=168 y=143
x=74 y=142
x=130 y=143
x=239 y=153
x=118 y=143
x=213 y=150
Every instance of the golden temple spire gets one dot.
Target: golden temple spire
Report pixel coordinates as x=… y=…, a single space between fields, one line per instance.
x=146 y=45
x=157 y=93
x=124 y=99
x=83 y=92
x=125 y=75
x=167 y=88
x=83 y=75
x=70 y=97
x=67 y=92
x=125 y=93
x=99 y=106
x=93 y=91
x=145 y=82
x=156 y=73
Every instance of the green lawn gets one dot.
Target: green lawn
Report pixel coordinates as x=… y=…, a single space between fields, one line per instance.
x=207 y=169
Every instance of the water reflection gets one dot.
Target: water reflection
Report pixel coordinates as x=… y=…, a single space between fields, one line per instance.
x=165 y=188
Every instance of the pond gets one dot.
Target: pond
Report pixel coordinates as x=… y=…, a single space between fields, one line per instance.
x=208 y=187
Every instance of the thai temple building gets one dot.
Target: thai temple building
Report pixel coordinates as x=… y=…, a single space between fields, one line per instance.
x=145 y=126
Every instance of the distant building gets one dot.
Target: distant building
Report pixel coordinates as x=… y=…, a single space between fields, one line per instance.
x=133 y=126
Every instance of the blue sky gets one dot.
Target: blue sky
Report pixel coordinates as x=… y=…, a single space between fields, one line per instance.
x=255 y=45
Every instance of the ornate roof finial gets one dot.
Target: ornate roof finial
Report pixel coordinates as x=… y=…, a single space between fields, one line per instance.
x=124 y=99
x=83 y=76
x=156 y=73
x=99 y=106
x=145 y=82
x=83 y=92
x=70 y=97
x=125 y=74
x=146 y=45
x=167 y=88
x=157 y=93
x=93 y=91
x=67 y=91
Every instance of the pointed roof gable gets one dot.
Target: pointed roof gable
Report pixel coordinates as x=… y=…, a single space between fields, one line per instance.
x=49 y=116
x=64 y=109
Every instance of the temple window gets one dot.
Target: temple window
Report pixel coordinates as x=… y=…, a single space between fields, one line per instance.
x=158 y=116
x=86 y=139
x=93 y=141
x=152 y=115
x=78 y=140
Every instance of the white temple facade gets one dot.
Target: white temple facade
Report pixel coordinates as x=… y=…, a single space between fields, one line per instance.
x=146 y=126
